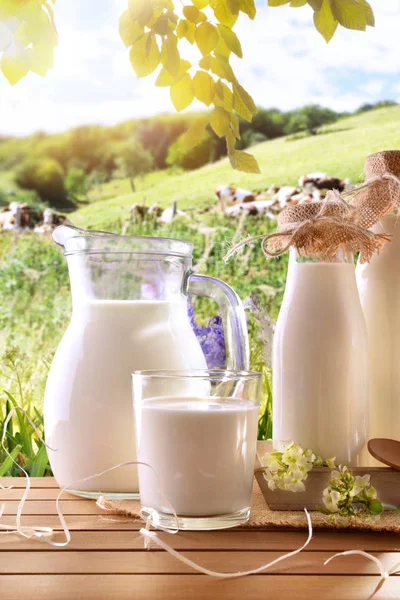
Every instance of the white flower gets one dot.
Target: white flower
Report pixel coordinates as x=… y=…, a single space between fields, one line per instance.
x=270 y=478
x=270 y=461
x=293 y=484
x=330 y=462
x=331 y=499
x=360 y=484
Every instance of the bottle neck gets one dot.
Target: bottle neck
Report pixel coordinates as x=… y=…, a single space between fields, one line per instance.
x=342 y=256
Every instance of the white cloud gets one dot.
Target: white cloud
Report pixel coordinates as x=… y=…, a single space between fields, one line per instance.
x=286 y=64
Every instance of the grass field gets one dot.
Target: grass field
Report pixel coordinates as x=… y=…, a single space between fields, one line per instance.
x=340 y=150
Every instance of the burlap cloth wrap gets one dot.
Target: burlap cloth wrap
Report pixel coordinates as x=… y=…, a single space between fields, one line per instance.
x=380 y=194
x=262 y=516
x=320 y=229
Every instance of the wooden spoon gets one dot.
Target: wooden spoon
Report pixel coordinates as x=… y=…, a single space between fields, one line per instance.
x=386 y=451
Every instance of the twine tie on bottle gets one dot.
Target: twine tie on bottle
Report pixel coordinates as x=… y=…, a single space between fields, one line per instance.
x=319 y=229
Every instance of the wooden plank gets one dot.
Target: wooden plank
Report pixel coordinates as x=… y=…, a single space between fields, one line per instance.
x=282 y=541
x=142 y=562
x=36 y=494
x=198 y=587
x=78 y=522
x=48 y=507
x=36 y=482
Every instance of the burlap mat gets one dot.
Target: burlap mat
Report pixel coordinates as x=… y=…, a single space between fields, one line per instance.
x=262 y=517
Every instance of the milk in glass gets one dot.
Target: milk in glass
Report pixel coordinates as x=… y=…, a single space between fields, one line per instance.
x=202 y=450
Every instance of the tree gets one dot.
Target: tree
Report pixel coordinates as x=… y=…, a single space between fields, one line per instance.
x=76 y=183
x=309 y=119
x=135 y=160
x=46 y=177
x=153 y=30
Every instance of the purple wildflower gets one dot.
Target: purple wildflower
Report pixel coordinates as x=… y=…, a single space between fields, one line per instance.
x=211 y=338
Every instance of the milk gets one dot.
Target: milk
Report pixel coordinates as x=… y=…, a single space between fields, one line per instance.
x=320 y=362
x=203 y=452
x=379 y=286
x=88 y=401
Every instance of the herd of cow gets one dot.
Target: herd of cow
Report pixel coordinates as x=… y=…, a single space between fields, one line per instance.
x=23 y=217
x=312 y=187
x=234 y=201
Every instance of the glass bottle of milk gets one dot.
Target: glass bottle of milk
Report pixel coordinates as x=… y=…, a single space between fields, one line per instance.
x=379 y=287
x=320 y=373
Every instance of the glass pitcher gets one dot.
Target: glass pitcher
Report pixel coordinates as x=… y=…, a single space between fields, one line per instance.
x=129 y=299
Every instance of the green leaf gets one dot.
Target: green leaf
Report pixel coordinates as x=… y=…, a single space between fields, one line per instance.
x=246 y=162
x=204 y=87
x=145 y=55
x=235 y=125
x=165 y=79
x=369 y=13
x=170 y=58
x=192 y=137
x=182 y=93
x=223 y=96
x=190 y=32
x=191 y=13
x=206 y=62
x=130 y=31
x=24 y=433
x=277 y=2
x=231 y=40
x=220 y=66
x=222 y=48
x=248 y=7
x=230 y=143
x=376 y=507
x=8 y=462
x=40 y=463
x=15 y=67
x=223 y=14
x=296 y=3
x=315 y=4
x=220 y=121
x=206 y=37
x=350 y=13
x=201 y=3
x=243 y=103
x=162 y=25
x=141 y=11
x=233 y=6
x=324 y=21
x=181 y=29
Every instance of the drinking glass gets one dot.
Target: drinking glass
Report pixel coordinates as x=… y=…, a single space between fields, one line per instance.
x=196 y=432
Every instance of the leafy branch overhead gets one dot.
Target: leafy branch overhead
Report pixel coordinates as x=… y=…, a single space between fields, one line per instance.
x=156 y=30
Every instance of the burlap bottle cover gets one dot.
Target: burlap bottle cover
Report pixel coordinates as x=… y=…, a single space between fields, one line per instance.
x=320 y=229
x=380 y=194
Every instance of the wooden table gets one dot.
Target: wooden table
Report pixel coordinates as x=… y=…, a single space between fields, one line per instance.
x=106 y=559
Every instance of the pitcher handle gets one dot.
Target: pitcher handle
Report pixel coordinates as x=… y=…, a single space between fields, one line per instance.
x=232 y=313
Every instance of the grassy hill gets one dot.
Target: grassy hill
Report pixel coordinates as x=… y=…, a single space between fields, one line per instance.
x=340 y=150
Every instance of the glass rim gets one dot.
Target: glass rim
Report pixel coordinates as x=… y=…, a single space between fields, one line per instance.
x=211 y=374
x=98 y=242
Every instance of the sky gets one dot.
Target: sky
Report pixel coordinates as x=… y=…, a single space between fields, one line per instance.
x=286 y=64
